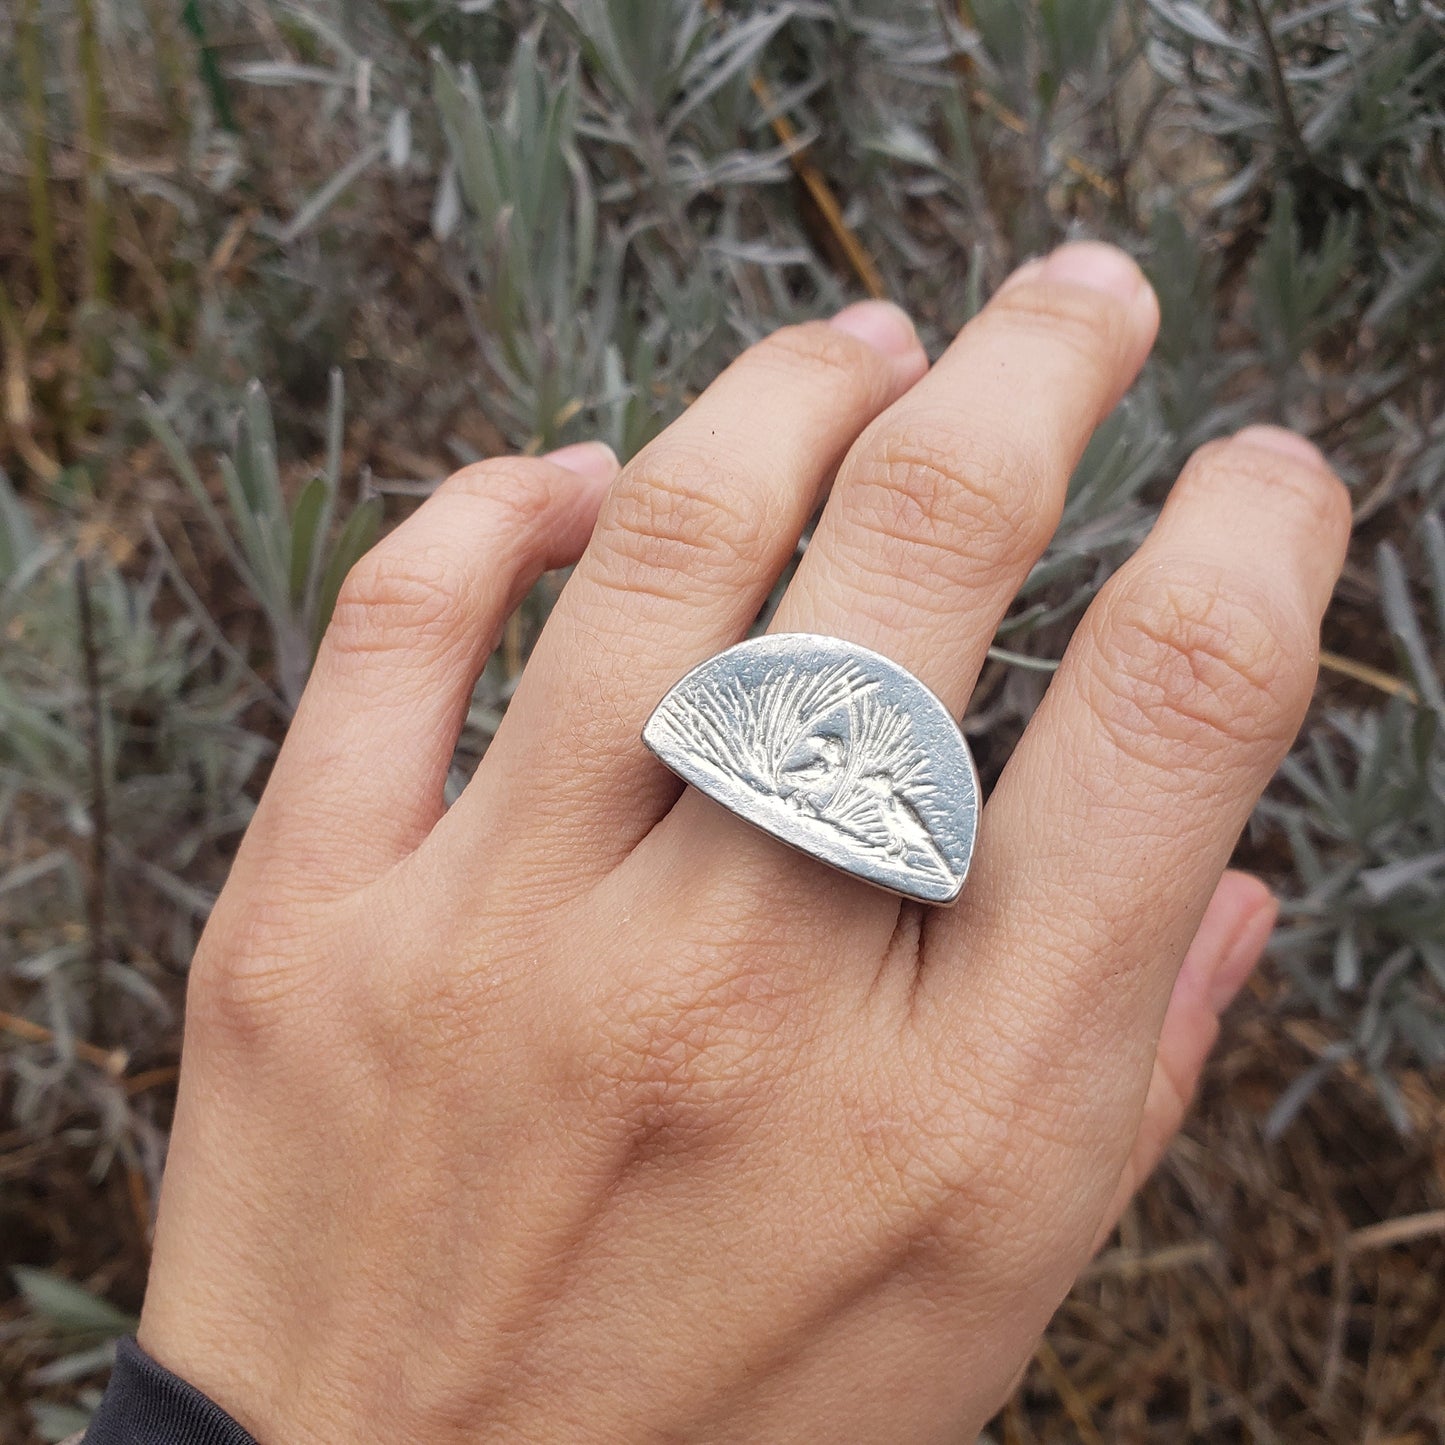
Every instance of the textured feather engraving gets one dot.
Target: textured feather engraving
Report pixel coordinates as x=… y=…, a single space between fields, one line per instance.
x=825 y=745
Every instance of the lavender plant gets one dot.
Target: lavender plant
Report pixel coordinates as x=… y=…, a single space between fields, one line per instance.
x=284 y=553
x=619 y=214
x=613 y=197
x=1363 y=806
x=124 y=762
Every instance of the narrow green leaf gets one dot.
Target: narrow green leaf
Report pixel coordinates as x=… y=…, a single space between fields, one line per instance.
x=1405 y=626
x=67 y=1307
x=335 y=424
x=58 y=1422
x=305 y=524
x=1383 y=882
x=260 y=432
x=1347 y=960
x=18 y=538
x=325 y=196
x=171 y=444
x=1434 y=533
x=1198 y=24
x=357 y=537
x=267 y=578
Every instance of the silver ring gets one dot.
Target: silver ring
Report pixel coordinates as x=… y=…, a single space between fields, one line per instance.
x=835 y=751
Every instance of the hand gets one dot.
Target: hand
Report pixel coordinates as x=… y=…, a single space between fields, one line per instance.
x=584 y=1112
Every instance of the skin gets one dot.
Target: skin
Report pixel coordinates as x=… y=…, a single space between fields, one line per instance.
x=581 y=1111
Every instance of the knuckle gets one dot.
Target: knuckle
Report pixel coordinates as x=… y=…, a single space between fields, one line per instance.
x=396 y=596
x=1090 y=324
x=666 y=1089
x=1198 y=656
x=678 y=521
x=248 y=971
x=973 y=507
x=517 y=492
x=836 y=356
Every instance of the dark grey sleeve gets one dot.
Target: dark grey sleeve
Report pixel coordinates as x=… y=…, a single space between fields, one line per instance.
x=147 y=1405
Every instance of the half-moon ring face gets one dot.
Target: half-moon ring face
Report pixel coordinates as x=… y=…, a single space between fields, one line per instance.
x=834 y=750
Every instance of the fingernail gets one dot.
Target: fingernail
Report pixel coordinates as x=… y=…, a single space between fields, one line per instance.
x=1242 y=956
x=1097 y=266
x=882 y=325
x=594 y=460
x=1280 y=439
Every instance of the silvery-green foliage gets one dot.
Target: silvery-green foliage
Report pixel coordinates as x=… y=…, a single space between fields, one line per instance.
x=1418 y=644
x=283 y=551
x=1106 y=515
x=548 y=297
x=167 y=721
x=1330 y=116
x=949 y=141
x=630 y=220
x=1300 y=291
x=1365 y=938
x=84 y=1330
x=1363 y=807
x=610 y=187
x=68 y=1309
x=1038 y=49
x=1192 y=372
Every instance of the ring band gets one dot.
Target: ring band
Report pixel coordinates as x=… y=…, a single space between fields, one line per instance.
x=835 y=751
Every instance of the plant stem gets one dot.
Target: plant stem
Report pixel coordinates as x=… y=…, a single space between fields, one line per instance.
x=170 y=73
x=18 y=413
x=113 y=1061
x=1287 y=118
x=97 y=210
x=210 y=69
x=814 y=182
x=99 y=804
x=42 y=221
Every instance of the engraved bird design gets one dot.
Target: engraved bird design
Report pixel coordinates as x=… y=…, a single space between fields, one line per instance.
x=907 y=832
x=806 y=778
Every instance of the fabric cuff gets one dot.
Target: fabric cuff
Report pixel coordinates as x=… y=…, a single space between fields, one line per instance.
x=145 y=1404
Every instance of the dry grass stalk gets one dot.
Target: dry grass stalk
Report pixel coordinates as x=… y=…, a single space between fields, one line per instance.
x=816 y=184
x=18 y=409
x=113 y=1061
x=1370 y=676
x=817 y=187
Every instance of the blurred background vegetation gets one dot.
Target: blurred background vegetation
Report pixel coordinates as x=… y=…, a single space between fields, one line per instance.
x=270 y=268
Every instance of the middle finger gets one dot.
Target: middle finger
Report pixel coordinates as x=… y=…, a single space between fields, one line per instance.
x=935 y=517
x=950 y=496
